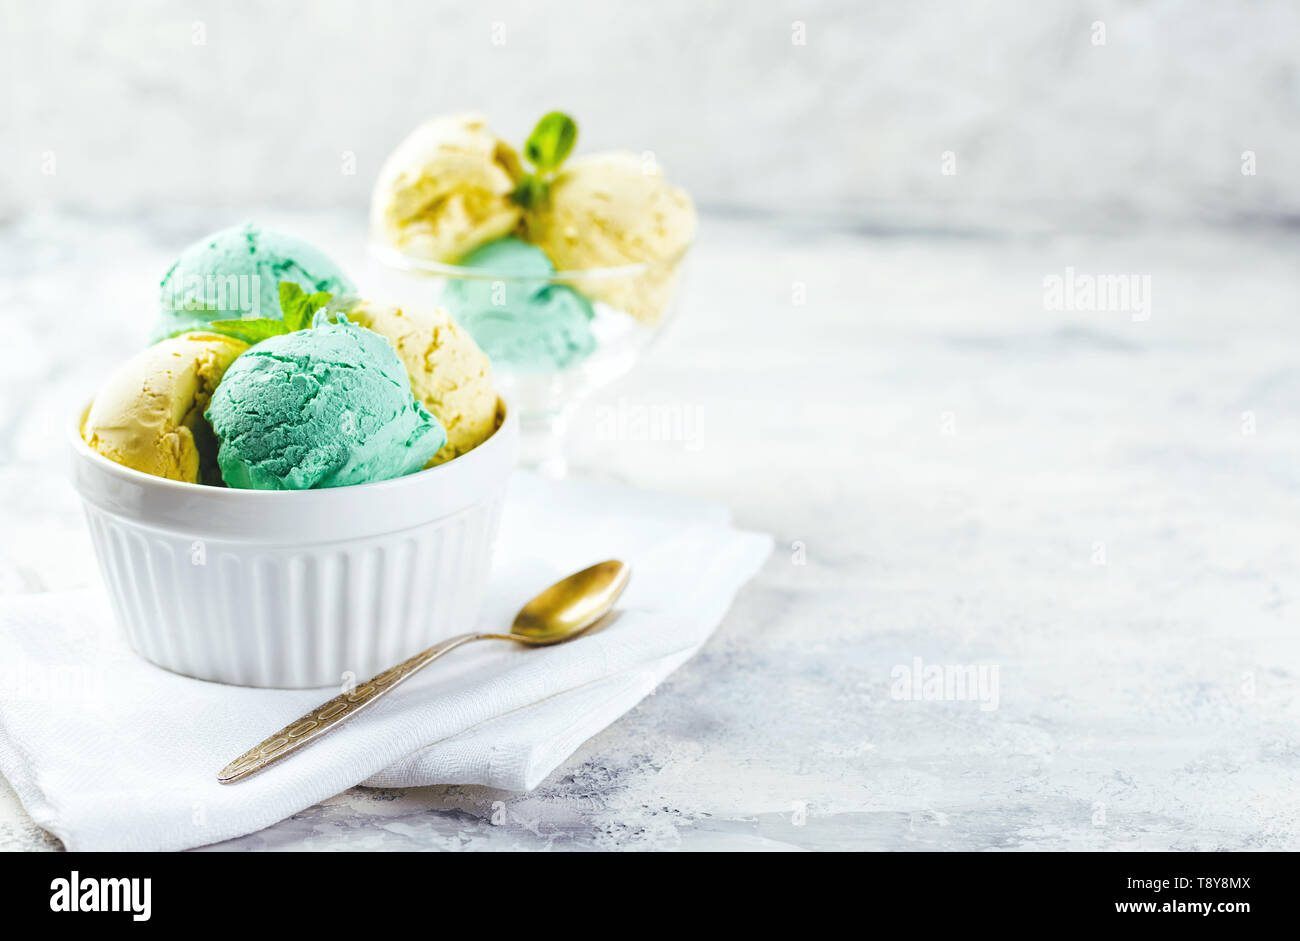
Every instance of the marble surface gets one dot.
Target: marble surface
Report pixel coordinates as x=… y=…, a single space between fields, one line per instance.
x=1097 y=504
x=1114 y=108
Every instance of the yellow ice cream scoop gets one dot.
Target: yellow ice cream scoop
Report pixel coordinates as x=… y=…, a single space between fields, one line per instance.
x=610 y=210
x=149 y=414
x=449 y=374
x=446 y=190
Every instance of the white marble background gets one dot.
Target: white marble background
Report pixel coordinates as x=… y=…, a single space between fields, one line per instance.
x=161 y=103
x=1098 y=503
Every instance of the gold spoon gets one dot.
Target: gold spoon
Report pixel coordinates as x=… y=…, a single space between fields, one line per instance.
x=560 y=613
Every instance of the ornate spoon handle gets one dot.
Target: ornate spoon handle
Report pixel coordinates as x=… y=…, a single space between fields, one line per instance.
x=338 y=710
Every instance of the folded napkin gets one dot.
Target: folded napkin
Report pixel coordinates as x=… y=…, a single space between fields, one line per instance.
x=109 y=752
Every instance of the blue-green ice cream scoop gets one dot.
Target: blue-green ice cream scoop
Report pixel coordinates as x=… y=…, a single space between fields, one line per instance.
x=235 y=274
x=328 y=406
x=520 y=319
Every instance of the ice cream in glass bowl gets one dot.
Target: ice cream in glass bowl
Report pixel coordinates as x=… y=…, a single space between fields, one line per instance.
x=563 y=271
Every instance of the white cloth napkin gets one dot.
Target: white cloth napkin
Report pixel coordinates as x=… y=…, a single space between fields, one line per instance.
x=109 y=752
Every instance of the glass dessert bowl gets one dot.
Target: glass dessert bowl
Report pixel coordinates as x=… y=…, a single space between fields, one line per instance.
x=552 y=336
x=562 y=271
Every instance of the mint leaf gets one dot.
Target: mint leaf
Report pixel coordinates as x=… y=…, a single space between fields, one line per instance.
x=298 y=307
x=250 y=331
x=546 y=148
x=290 y=294
x=551 y=141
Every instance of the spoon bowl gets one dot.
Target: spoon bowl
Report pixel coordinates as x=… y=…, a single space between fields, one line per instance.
x=571 y=605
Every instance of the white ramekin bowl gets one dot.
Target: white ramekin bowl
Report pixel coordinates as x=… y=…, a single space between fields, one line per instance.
x=294 y=589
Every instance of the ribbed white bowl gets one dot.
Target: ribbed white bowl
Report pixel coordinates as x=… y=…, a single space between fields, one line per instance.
x=294 y=589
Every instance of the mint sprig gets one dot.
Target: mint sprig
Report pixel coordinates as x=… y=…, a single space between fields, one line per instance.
x=296 y=306
x=546 y=148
